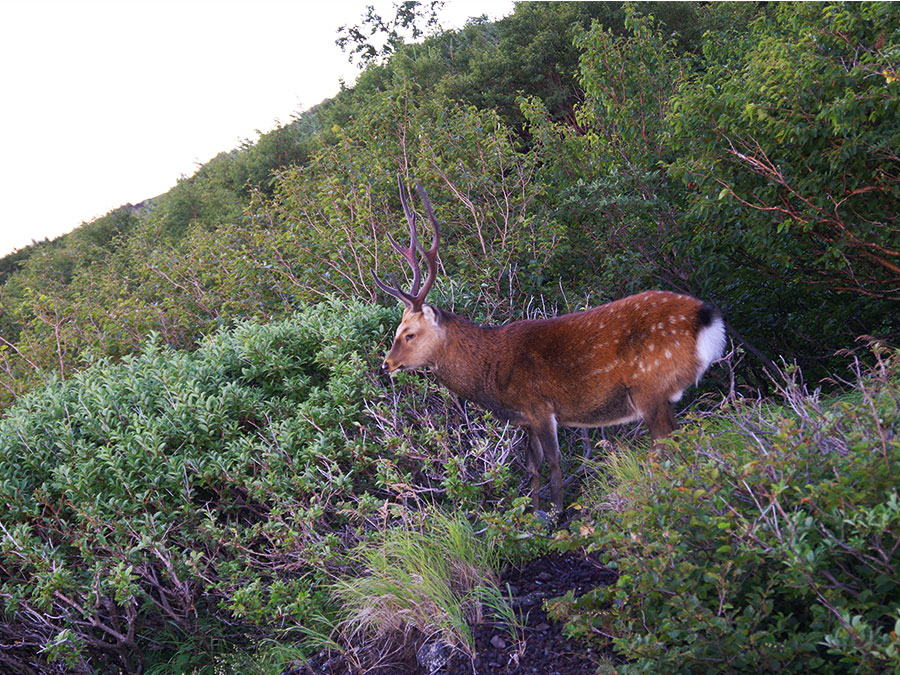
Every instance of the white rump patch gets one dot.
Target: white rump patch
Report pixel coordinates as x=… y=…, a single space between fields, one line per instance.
x=710 y=344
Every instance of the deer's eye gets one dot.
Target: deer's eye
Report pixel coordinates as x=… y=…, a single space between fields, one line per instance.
x=410 y=336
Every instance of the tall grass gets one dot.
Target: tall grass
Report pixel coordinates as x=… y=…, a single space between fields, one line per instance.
x=421 y=581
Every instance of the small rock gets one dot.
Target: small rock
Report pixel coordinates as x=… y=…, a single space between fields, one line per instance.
x=545 y=576
x=498 y=642
x=529 y=600
x=333 y=664
x=433 y=656
x=542 y=627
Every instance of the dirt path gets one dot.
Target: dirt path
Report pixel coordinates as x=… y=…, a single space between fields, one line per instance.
x=546 y=650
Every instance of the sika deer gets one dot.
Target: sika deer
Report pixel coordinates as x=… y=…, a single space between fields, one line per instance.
x=620 y=362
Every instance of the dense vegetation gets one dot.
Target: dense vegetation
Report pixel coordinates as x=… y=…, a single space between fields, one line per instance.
x=168 y=496
x=207 y=495
x=775 y=549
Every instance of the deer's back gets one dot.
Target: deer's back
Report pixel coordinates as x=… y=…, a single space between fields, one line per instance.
x=604 y=365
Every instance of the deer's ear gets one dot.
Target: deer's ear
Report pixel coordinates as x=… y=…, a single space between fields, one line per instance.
x=431 y=317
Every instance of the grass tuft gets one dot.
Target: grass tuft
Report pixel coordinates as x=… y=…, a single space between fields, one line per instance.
x=427 y=580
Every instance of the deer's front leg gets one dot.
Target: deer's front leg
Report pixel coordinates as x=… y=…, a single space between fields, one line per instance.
x=546 y=435
x=533 y=460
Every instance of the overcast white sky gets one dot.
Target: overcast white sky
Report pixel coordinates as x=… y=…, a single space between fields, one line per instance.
x=108 y=102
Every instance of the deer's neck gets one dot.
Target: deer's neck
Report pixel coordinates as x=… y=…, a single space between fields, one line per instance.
x=468 y=363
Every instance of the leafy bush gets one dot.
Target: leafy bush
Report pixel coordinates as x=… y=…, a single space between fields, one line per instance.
x=195 y=498
x=605 y=187
x=767 y=540
x=786 y=139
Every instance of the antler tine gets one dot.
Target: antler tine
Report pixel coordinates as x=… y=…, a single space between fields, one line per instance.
x=431 y=254
x=409 y=254
x=394 y=290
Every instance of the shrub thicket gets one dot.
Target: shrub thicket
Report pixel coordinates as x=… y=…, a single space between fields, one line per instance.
x=178 y=499
x=767 y=539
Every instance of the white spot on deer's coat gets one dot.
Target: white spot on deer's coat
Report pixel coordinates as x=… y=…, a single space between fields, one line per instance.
x=668 y=354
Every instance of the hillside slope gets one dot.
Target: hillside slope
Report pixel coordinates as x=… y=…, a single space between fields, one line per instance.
x=196 y=454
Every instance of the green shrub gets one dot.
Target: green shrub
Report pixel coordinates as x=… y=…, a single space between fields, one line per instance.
x=768 y=540
x=784 y=139
x=179 y=500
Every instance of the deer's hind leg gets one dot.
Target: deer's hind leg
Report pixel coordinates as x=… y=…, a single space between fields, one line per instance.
x=660 y=420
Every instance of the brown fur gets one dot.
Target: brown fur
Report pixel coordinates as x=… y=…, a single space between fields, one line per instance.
x=623 y=361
